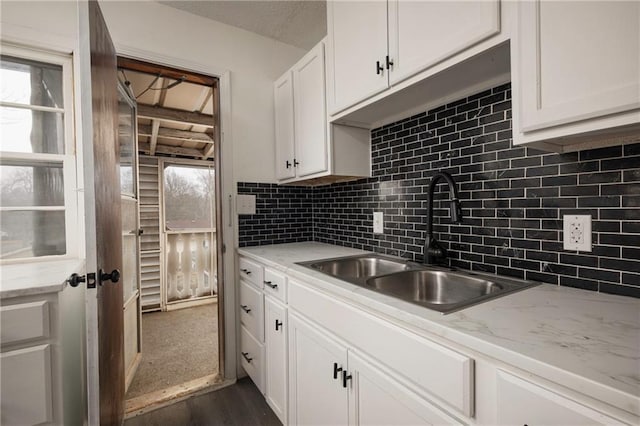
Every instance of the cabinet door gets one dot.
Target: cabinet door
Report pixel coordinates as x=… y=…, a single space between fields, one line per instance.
x=357 y=35
x=578 y=60
x=283 y=95
x=315 y=396
x=423 y=33
x=310 y=113
x=522 y=402
x=377 y=399
x=275 y=316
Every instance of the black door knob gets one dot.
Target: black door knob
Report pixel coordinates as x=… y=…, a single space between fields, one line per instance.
x=113 y=276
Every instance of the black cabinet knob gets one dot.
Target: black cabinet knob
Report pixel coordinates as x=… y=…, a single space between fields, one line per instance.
x=336 y=369
x=345 y=378
x=379 y=68
x=246 y=356
x=245 y=308
x=288 y=164
x=246 y=271
x=278 y=325
x=269 y=284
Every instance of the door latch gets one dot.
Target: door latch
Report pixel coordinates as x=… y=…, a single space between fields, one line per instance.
x=74 y=280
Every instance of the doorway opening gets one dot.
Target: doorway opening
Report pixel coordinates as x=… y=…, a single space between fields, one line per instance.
x=173 y=347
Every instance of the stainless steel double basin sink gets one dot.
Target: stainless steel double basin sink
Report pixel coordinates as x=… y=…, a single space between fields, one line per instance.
x=436 y=288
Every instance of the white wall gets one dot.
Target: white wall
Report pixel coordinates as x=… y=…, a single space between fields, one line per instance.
x=254 y=61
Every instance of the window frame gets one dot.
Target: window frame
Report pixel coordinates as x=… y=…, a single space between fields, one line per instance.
x=67 y=160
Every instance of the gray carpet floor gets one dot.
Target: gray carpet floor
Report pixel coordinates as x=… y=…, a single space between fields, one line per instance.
x=177 y=346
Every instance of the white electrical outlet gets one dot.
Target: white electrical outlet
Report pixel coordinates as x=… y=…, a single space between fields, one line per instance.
x=577 y=232
x=378 y=223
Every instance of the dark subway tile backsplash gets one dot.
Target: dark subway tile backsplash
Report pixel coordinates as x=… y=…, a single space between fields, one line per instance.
x=513 y=200
x=283 y=215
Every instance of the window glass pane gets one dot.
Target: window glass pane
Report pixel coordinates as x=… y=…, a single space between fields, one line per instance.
x=31 y=186
x=24 y=130
x=126 y=140
x=32 y=234
x=30 y=82
x=188 y=197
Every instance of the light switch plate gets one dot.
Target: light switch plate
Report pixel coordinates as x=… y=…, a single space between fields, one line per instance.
x=378 y=223
x=577 y=232
x=246 y=204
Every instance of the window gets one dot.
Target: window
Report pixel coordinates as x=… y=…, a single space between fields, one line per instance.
x=37 y=170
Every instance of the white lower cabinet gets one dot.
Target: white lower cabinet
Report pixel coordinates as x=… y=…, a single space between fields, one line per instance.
x=316 y=364
x=331 y=383
x=520 y=402
x=276 y=325
x=376 y=398
x=324 y=361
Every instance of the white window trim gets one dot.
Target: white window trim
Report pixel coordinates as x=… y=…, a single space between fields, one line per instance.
x=68 y=159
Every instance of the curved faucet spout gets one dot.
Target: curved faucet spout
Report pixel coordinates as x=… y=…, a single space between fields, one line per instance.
x=433 y=252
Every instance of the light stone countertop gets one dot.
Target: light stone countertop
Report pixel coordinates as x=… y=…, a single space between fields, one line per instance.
x=27 y=279
x=586 y=341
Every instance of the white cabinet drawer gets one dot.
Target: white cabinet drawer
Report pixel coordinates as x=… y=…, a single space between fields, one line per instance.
x=275 y=284
x=252 y=357
x=522 y=402
x=251 y=271
x=26 y=386
x=24 y=321
x=445 y=374
x=252 y=310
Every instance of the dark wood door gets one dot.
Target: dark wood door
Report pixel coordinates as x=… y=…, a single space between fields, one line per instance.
x=99 y=121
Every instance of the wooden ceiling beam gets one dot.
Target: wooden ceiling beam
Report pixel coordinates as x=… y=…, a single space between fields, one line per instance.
x=145 y=148
x=208 y=151
x=175 y=116
x=175 y=134
x=164 y=71
x=155 y=127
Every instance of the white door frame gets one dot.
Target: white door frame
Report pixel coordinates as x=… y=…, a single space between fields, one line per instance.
x=229 y=368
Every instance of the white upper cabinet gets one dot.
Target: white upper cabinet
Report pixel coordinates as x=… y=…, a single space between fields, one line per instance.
x=283 y=95
x=310 y=113
x=375 y=45
x=577 y=70
x=357 y=35
x=308 y=148
x=423 y=33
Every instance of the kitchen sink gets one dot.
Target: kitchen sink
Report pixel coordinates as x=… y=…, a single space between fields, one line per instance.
x=436 y=288
x=359 y=267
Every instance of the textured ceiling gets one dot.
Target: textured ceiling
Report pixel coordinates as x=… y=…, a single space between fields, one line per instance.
x=295 y=22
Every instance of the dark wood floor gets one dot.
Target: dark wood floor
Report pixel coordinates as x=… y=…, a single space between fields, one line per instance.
x=239 y=404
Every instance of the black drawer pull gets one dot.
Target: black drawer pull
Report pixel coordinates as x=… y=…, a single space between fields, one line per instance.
x=245 y=308
x=336 y=369
x=278 y=325
x=379 y=68
x=246 y=271
x=269 y=284
x=345 y=377
x=246 y=356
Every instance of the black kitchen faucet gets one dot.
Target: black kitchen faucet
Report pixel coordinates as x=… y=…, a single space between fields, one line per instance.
x=433 y=252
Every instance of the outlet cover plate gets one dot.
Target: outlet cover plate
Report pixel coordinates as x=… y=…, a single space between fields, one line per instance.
x=378 y=223
x=246 y=204
x=577 y=232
